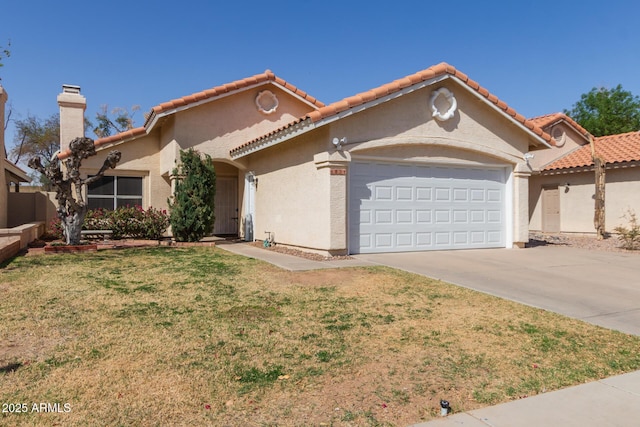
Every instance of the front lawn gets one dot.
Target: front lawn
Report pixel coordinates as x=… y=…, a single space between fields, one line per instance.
x=198 y=336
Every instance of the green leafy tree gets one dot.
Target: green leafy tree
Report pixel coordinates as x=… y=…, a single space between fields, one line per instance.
x=36 y=138
x=191 y=212
x=607 y=111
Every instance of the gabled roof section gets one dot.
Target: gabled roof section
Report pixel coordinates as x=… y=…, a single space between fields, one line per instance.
x=374 y=96
x=551 y=119
x=198 y=98
x=16 y=174
x=620 y=148
x=226 y=89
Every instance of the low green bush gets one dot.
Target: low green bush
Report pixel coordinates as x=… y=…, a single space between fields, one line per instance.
x=129 y=221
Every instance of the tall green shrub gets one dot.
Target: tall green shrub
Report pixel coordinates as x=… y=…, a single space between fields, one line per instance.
x=191 y=212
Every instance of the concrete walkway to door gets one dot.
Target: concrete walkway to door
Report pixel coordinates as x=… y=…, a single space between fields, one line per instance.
x=598 y=287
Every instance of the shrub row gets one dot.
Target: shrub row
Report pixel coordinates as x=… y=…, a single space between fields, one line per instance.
x=130 y=221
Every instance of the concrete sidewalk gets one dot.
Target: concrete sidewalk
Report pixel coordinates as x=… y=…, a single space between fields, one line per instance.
x=610 y=402
x=288 y=262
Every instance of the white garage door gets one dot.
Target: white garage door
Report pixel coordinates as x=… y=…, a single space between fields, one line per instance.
x=409 y=207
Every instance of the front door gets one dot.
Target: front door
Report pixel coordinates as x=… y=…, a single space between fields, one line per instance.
x=226 y=206
x=551 y=209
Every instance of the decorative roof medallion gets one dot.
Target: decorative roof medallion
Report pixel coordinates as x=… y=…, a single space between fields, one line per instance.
x=443 y=104
x=559 y=135
x=266 y=102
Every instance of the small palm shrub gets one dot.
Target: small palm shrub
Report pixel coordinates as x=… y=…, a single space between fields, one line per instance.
x=630 y=235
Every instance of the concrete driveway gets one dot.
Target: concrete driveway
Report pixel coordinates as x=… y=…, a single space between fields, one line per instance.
x=598 y=287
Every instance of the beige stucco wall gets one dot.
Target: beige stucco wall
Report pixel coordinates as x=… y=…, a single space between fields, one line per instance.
x=571 y=141
x=32 y=206
x=476 y=135
x=3 y=183
x=304 y=203
x=139 y=158
x=292 y=195
x=216 y=127
x=577 y=200
x=213 y=128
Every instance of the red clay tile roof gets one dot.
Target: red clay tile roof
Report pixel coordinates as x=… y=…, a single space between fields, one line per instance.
x=231 y=87
x=267 y=76
x=397 y=85
x=620 y=148
x=551 y=119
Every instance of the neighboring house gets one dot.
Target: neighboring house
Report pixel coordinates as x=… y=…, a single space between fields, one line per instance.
x=9 y=173
x=430 y=161
x=562 y=190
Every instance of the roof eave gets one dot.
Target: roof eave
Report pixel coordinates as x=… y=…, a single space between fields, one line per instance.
x=537 y=138
x=154 y=117
x=286 y=134
x=15 y=171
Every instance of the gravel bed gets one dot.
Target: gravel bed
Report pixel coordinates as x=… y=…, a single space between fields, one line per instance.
x=610 y=244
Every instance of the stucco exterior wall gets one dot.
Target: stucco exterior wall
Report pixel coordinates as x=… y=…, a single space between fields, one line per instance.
x=303 y=202
x=474 y=127
x=571 y=141
x=577 y=200
x=217 y=127
x=139 y=158
x=292 y=195
x=403 y=129
x=4 y=189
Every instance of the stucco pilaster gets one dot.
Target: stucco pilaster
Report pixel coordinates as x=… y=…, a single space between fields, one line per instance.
x=520 y=207
x=3 y=184
x=334 y=167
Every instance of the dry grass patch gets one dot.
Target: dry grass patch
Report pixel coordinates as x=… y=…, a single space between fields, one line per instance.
x=197 y=336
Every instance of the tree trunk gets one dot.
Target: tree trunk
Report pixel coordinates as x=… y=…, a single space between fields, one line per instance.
x=599 y=214
x=72 y=226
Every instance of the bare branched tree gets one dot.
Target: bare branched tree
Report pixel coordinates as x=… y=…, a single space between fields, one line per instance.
x=70 y=187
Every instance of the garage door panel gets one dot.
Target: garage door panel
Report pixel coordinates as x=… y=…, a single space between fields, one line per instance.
x=423 y=194
x=384 y=240
x=404 y=216
x=396 y=208
x=384 y=216
x=443 y=194
x=423 y=216
x=404 y=240
x=404 y=194
x=443 y=216
x=383 y=192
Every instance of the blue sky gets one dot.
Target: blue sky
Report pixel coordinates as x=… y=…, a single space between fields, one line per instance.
x=538 y=57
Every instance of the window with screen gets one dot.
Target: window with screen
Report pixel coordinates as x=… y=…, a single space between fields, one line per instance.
x=111 y=192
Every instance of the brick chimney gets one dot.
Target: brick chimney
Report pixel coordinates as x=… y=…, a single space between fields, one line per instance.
x=72 y=106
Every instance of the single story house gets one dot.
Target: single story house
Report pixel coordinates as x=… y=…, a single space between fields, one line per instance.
x=427 y=162
x=562 y=188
